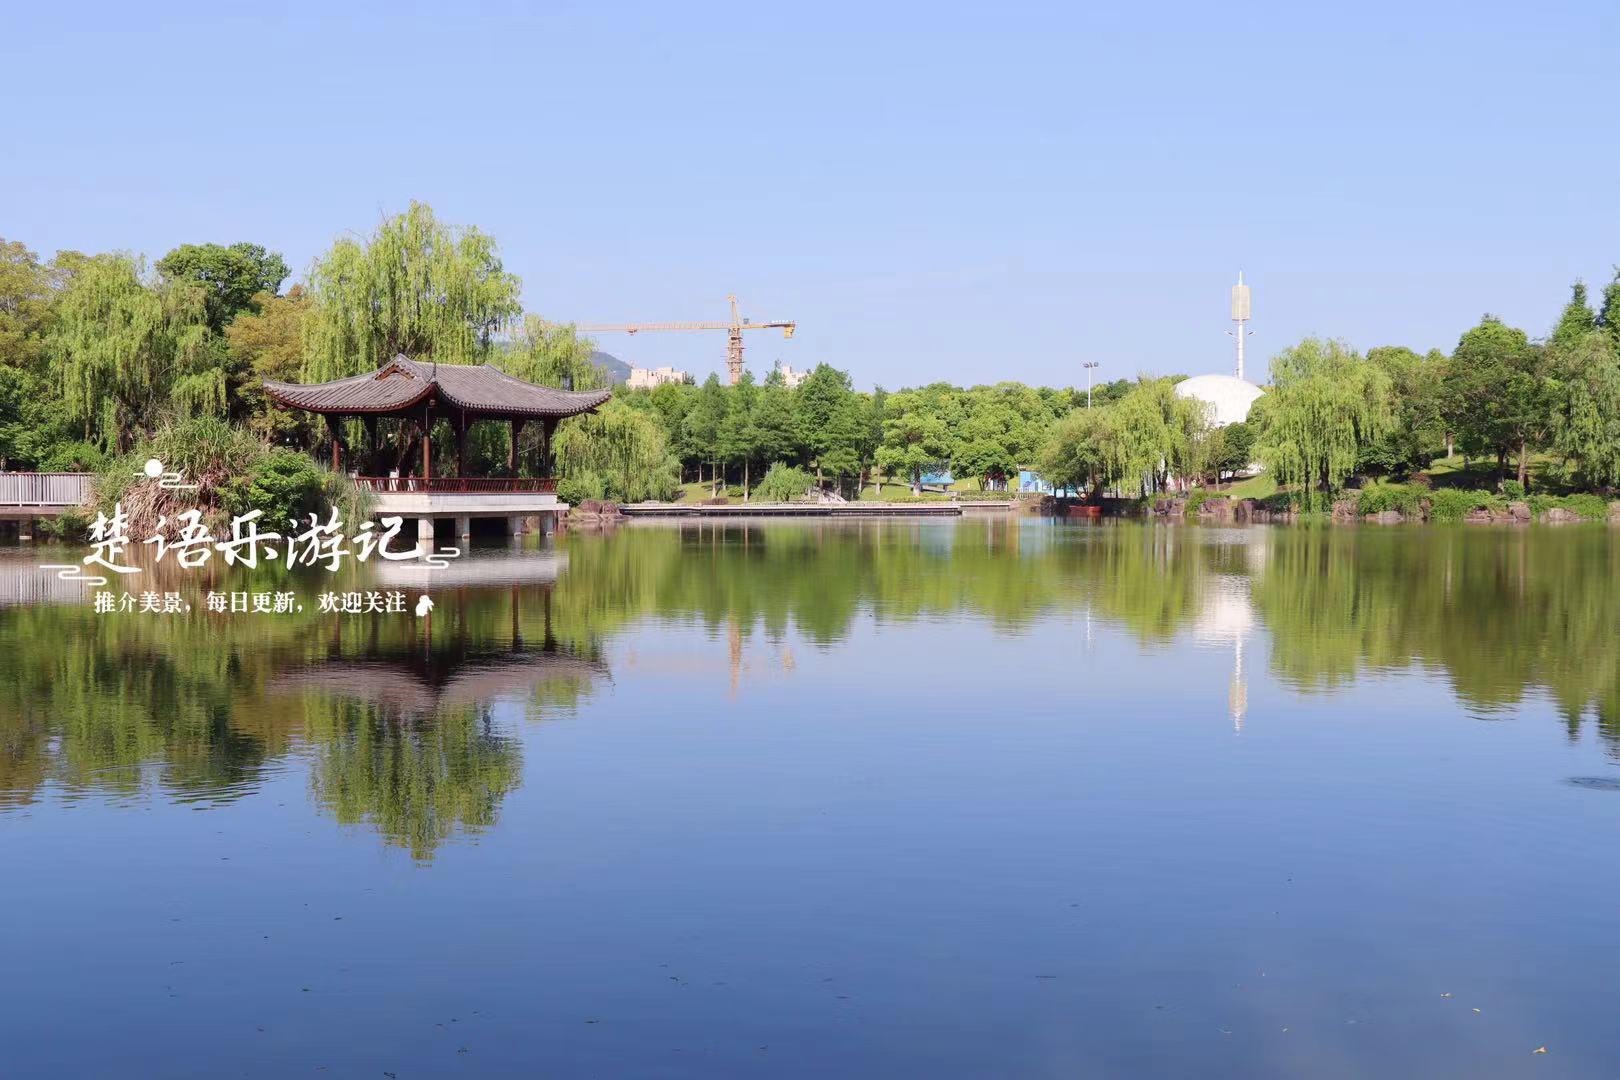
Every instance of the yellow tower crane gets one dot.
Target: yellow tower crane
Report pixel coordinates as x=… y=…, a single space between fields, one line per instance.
x=734 y=334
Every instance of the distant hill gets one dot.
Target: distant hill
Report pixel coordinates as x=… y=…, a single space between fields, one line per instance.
x=617 y=369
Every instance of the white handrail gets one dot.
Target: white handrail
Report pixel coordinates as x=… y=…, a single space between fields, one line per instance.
x=44 y=489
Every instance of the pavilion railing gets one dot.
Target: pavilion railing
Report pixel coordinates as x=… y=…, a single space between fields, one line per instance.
x=461 y=485
x=44 y=489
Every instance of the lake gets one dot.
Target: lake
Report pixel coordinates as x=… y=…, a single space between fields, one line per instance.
x=1004 y=797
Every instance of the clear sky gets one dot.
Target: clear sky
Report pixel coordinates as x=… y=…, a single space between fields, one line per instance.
x=933 y=191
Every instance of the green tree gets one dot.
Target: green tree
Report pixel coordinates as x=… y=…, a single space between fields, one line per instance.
x=702 y=428
x=551 y=354
x=1577 y=319
x=827 y=416
x=1325 y=406
x=915 y=439
x=1496 y=396
x=774 y=436
x=872 y=430
x=27 y=291
x=126 y=352
x=1418 y=428
x=1231 y=449
x=268 y=343
x=1077 y=453
x=231 y=278
x=1584 y=392
x=1003 y=427
x=1608 y=317
x=1156 y=435
x=416 y=286
x=736 y=434
x=620 y=447
x=783 y=483
x=34 y=427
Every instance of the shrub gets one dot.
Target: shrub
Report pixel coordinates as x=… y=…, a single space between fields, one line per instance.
x=74 y=457
x=71 y=526
x=1280 y=502
x=283 y=485
x=1197 y=498
x=734 y=491
x=782 y=483
x=1454 y=504
x=1512 y=489
x=1381 y=497
x=581 y=487
x=1589 y=507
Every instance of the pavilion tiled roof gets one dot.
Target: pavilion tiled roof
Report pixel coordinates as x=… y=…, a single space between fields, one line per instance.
x=402 y=383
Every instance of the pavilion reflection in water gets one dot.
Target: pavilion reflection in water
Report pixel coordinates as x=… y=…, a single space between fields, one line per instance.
x=415 y=735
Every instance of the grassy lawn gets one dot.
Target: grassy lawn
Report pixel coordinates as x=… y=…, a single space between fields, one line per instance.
x=880 y=492
x=695 y=492
x=1255 y=487
x=1480 y=475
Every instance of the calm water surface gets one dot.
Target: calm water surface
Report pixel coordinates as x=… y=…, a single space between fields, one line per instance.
x=984 y=798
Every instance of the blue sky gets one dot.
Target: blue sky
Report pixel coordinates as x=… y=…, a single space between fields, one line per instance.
x=932 y=191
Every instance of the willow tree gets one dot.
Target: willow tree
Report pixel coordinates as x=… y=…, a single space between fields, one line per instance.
x=416 y=286
x=1155 y=435
x=1076 y=455
x=618 y=452
x=126 y=351
x=1326 y=405
x=552 y=354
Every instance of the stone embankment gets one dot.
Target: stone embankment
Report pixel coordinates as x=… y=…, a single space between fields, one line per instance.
x=1221 y=509
x=594 y=512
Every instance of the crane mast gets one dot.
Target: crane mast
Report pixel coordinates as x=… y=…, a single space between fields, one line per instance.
x=734 y=334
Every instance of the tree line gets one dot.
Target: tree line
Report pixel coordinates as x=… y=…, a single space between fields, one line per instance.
x=99 y=354
x=1521 y=412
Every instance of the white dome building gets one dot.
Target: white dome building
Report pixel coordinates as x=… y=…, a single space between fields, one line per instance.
x=1228 y=396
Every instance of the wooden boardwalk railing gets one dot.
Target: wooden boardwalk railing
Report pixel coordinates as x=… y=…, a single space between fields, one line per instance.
x=461 y=485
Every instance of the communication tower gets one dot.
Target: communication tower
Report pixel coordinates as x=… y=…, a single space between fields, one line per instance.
x=1240 y=316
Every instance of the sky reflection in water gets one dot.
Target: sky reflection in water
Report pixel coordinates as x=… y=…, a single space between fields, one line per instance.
x=926 y=798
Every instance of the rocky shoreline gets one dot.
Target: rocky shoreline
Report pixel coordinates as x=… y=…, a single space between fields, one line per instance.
x=1221 y=509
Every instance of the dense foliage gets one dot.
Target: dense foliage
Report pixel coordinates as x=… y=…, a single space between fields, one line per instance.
x=99 y=353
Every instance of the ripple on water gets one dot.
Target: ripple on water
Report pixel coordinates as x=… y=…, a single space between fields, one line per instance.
x=1596 y=783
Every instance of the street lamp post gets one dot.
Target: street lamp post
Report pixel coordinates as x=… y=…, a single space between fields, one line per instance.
x=1088 y=365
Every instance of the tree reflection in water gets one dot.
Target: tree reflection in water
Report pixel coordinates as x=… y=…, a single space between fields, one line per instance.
x=407 y=722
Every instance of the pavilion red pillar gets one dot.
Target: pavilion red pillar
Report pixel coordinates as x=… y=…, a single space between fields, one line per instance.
x=427 y=443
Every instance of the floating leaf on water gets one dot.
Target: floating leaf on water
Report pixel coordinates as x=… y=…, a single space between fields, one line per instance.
x=1539 y=1050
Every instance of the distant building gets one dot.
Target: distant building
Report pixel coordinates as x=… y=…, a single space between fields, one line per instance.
x=790 y=378
x=1229 y=397
x=646 y=378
